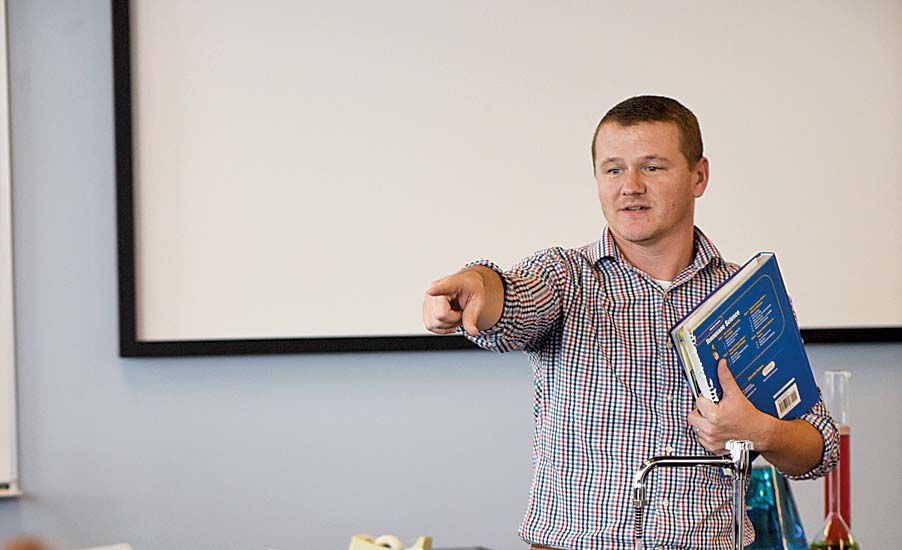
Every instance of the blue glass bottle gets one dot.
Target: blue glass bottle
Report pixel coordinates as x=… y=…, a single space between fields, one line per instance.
x=773 y=512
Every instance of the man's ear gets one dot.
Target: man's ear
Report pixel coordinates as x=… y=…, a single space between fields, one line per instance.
x=700 y=177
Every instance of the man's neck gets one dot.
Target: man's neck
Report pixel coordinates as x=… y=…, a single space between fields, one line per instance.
x=663 y=259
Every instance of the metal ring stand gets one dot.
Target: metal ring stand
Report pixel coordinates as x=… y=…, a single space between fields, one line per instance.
x=737 y=462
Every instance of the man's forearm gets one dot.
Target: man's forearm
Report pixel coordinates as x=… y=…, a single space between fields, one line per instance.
x=793 y=446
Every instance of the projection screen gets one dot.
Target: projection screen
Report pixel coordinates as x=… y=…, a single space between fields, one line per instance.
x=293 y=175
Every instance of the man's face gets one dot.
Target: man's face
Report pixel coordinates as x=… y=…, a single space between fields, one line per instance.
x=646 y=188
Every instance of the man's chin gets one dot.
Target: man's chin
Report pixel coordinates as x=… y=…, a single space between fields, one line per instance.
x=636 y=236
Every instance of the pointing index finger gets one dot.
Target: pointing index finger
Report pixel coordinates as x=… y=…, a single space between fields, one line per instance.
x=441 y=288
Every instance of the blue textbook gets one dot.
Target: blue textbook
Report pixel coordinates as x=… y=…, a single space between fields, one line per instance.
x=749 y=322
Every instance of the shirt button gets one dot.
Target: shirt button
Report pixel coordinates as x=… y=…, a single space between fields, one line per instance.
x=669 y=450
x=669 y=343
x=669 y=397
x=664 y=503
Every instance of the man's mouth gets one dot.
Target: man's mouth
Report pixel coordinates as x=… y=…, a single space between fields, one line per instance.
x=636 y=208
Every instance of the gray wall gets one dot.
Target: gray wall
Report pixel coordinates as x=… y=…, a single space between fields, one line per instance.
x=291 y=452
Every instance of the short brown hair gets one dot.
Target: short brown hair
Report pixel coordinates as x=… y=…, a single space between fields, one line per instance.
x=654 y=108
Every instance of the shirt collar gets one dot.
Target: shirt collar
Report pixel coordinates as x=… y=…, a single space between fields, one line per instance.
x=705 y=251
x=606 y=247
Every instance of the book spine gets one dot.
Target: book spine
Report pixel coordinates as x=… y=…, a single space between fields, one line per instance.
x=679 y=341
x=704 y=384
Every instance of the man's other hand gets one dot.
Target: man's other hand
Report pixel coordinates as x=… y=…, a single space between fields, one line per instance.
x=734 y=417
x=473 y=297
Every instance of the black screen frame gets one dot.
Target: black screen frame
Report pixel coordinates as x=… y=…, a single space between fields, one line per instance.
x=131 y=346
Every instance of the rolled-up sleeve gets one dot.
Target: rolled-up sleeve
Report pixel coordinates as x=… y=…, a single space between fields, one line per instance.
x=534 y=291
x=820 y=418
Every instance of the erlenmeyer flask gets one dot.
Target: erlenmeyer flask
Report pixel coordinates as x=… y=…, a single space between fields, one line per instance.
x=773 y=512
x=836 y=534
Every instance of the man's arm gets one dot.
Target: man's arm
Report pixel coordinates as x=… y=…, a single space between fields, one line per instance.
x=795 y=447
x=512 y=310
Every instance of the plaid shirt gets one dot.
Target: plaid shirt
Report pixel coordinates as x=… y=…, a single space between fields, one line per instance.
x=609 y=393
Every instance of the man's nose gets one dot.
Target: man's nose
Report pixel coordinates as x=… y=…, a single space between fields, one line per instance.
x=634 y=184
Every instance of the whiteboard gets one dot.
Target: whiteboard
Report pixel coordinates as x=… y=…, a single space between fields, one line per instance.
x=9 y=481
x=306 y=169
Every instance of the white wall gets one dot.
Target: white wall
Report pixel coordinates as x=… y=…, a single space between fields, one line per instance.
x=876 y=409
x=265 y=452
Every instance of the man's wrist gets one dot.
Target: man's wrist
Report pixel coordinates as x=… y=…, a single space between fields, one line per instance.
x=493 y=283
x=766 y=432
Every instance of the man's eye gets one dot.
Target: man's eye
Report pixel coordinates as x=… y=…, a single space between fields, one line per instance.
x=652 y=168
x=614 y=171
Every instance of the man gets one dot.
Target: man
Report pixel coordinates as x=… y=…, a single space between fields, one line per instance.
x=609 y=391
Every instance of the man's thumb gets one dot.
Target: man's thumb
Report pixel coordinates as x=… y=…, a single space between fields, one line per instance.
x=727 y=382
x=471 y=316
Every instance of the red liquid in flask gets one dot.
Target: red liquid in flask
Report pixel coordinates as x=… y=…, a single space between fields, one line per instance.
x=842 y=471
x=836 y=534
